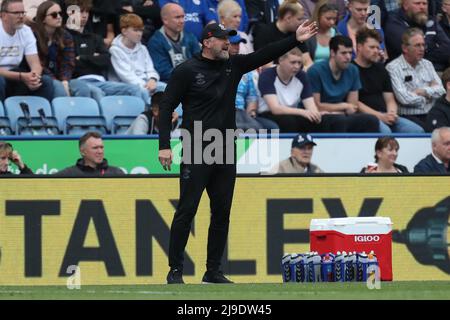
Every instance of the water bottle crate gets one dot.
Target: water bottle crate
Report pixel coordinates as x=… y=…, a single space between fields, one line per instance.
x=329 y=267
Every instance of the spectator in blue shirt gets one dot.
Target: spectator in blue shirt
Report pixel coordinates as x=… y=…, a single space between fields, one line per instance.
x=171 y=45
x=357 y=19
x=196 y=15
x=335 y=84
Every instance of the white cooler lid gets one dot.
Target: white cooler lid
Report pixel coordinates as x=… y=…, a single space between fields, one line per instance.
x=353 y=225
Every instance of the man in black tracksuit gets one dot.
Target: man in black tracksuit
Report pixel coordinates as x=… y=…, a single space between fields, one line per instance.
x=206 y=86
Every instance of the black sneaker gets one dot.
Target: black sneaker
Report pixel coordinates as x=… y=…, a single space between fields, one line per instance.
x=215 y=277
x=175 y=276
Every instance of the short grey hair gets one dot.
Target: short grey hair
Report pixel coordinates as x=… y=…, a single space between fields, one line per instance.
x=409 y=33
x=5 y=4
x=436 y=134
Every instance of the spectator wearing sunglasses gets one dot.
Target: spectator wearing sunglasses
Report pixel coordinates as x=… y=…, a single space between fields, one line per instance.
x=20 y=68
x=7 y=154
x=56 y=50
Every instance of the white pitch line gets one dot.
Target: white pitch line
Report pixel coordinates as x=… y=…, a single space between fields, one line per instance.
x=140 y=292
x=202 y=293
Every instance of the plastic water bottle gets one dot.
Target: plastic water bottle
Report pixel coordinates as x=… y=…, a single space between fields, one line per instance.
x=310 y=267
x=350 y=267
x=327 y=267
x=297 y=268
x=317 y=262
x=362 y=266
x=305 y=260
x=314 y=261
x=286 y=267
x=339 y=266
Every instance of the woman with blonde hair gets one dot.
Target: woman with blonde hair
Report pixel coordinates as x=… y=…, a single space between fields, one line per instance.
x=230 y=15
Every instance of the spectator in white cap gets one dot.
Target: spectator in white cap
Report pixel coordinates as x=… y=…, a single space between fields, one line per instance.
x=300 y=159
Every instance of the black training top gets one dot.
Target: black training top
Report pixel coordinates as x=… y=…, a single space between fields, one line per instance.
x=207 y=89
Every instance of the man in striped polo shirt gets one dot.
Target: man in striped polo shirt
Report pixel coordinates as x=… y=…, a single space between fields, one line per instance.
x=414 y=80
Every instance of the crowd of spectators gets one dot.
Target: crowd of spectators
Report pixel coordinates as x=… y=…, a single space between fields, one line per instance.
x=374 y=65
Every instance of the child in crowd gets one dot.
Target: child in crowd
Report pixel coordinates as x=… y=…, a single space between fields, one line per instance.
x=130 y=59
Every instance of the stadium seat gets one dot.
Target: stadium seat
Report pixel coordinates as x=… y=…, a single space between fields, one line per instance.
x=120 y=124
x=77 y=115
x=39 y=121
x=37 y=127
x=5 y=125
x=79 y=125
x=120 y=111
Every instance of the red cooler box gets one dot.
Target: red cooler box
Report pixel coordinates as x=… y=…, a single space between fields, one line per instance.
x=355 y=234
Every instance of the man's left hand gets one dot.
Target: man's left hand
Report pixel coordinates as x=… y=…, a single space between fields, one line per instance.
x=306 y=30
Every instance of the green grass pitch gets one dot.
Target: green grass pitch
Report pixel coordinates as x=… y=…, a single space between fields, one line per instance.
x=436 y=290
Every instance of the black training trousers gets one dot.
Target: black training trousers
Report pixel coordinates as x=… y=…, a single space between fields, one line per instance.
x=357 y=122
x=218 y=179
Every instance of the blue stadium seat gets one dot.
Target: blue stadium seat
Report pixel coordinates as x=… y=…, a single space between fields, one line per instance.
x=77 y=115
x=120 y=111
x=79 y=125
x=5 y=125
x=34 y=123
x=120 y=124
x=37 y=127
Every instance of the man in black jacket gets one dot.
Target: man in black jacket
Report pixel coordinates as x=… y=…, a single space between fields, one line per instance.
x=439 y=114
x=262 y=11
x=93 y=162
x=206 y=86
x=414 y=13
x=439 y=159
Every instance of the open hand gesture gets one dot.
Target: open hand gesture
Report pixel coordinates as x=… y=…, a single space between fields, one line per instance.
x=306 y=30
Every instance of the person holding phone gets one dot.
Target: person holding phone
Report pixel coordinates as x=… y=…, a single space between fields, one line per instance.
x=7 y=154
